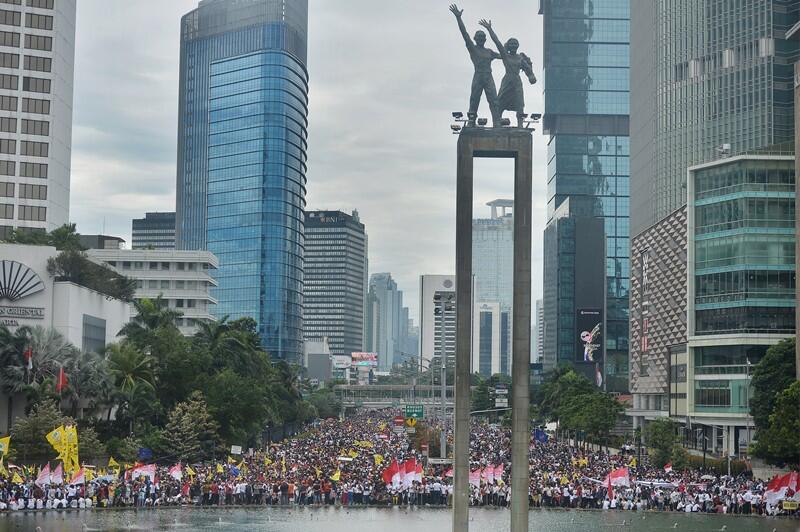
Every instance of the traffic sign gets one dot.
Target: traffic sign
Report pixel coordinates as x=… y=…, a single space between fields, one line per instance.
x=411 y=421
x=411 y=430
x=501 y=389
x=417 y=411
x=399 y=420
x=501 y=402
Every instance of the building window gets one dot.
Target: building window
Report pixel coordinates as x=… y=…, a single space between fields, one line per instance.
x=8 y=146
x=32 y=105
x=38 y=64
x=10 y=18
x=35 y=127
x=153 y=265
x=38 y=192
x=8 y=38
x=14 y=2
x=6 y=189
x=34 y=149
x=39 y=22
x=36 y=84
x=9 y=60
x=42 y=4
x=8 y=125
x=6 y=211
x=5 y=232
x=9 y=82
x=39 y=42
x=152 y=284
x=94 y=333
x=712 y=393
x=7 y=167
x=164 y=285
x=8 y=103
x=32 y=214
x=33 y=170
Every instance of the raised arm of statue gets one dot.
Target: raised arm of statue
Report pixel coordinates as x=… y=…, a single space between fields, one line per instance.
x=457 y=12
x=500 y=48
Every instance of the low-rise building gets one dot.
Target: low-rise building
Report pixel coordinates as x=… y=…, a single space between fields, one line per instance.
x=181 y=278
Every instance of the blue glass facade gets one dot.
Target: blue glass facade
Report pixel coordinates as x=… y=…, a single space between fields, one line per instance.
x=586 y=88
x=242 y=159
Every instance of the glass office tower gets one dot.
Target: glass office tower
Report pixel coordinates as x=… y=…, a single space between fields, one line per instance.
x=586 y=89
x=242 y=158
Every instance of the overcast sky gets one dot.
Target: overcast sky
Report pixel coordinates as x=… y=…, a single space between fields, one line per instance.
x=385 y=77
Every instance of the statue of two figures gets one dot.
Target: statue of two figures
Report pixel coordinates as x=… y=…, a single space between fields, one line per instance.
x=510 y=97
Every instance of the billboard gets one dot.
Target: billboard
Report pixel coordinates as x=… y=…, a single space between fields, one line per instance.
x=369 y=360
x=341 y=361
x=589 y=343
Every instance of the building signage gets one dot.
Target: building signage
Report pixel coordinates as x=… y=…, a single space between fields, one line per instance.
x=341 y=361
x=18 y=281
x=365 y=359
x=501 y=402
x=417 y=411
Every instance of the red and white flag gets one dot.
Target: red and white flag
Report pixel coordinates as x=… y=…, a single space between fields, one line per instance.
x=391 y=472
x=144 y=471
x=79 y=477
x=44 y=476
x=488 y=474
x=410 y=472
x=498 y=471
x=449 y=473
x=783 y=487
x=475 y=478
x=618 y=477
x=668 y=468
x=176 y=471
x=418 y=473
x=62 y=382
x=57 y=476
x=28 y=354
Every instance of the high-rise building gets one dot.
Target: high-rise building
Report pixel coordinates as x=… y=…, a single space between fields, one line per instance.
x=493 y=268
x=539 y=332
x=37 y=63
x=242 y=130
x=387 y=323
x=155 y=231
x=726 y=92
x=586 y=51
x=335 y=287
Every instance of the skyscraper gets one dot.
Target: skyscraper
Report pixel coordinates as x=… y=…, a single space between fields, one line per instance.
x=155 y=231
x=387 y=323
x=335 y=287
x=586 y=50
x=37 y=60
x=493 y=268
x=724 y=93
x=539 y=332
x=242 y=129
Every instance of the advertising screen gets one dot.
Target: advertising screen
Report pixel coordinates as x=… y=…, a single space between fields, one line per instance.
x=365 y=359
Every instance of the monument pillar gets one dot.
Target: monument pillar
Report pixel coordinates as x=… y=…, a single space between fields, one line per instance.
x=513 y=143
x=797 y=202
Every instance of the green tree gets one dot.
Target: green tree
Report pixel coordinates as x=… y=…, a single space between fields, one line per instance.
x=773 y=374
x=28 y=442
x=191 y=431
x=61 y=238
x=152 y=315
x=74 y=266
x=660 y=437
x=780 y=441
x=131 y=371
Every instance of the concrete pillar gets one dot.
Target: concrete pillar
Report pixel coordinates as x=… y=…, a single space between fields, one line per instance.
x=502 y=143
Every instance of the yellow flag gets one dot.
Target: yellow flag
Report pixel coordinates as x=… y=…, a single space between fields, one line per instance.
x=113 y=463
x=3 y=470
x=231 y=460
x=267 y=461
x=190 y=471
x=319 y=472
x=564 y=481
x=352 y=454
x=71 y=462
x=219 y=468
x=283 y=464
x=378 y=459
x=632 y=462
x=16 y=479
x=583 y=462
x=5 y=444
x=382 y=426
x=56 y=438
x=335 y=477
x=89 y=475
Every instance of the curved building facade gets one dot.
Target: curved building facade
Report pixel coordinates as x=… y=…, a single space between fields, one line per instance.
x=243 y=118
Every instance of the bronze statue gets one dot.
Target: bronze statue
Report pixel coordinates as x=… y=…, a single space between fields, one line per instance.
x=511 y=96
x=482 y=80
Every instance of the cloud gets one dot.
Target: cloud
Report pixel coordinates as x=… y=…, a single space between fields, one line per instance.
x=385 y=77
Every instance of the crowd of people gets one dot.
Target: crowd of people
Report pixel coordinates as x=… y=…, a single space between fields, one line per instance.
x=343 y=463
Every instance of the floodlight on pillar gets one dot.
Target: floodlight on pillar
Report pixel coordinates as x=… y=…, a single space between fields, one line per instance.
x=482 y=121
x=505 y=121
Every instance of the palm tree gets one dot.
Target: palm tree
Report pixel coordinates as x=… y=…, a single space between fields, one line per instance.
x=132 y=373
x=12 y=347
x=88 y=379
x=151 y=315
